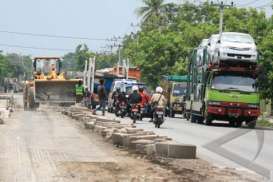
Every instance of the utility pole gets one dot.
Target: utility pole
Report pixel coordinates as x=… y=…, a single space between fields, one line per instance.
x=119 y=58
x=127 y=68
x=93 y=74
x=221 y=6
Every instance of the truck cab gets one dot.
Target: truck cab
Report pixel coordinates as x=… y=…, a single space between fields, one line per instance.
x=177 y=101
x=175 y=91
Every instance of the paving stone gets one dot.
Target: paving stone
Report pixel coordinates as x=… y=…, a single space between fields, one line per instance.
x=89 y=125
x=99 y=129
x=139 y=145
x=175 y=150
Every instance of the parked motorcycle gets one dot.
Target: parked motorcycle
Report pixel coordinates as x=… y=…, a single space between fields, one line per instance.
x=158 y=116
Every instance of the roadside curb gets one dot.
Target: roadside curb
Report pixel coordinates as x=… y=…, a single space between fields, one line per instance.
x=128 y=136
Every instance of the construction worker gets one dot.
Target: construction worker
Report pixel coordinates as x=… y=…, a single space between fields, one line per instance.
x=79 y=88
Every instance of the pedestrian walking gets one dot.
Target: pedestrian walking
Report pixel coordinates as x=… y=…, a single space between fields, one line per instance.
x=102 y=98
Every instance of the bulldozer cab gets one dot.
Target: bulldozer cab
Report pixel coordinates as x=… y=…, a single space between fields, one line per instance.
x=44 y=65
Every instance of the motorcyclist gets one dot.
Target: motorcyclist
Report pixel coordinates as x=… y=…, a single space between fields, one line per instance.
x=134 y=97
x=145 y=98
x=158 y=100
x=115 y=96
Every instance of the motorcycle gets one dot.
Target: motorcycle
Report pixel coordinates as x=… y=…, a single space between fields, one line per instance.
x=121 y=109
x=158 y=117
x=135 y=112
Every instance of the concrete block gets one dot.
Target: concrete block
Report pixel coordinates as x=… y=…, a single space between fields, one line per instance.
x=174 y=150
x=128 y=139
x=117 y=138
x=139 y=145
x=106 y=119
x=150 y=149
x=133 y=130
x=89 y=125
x=107 y=133
x=99 y=129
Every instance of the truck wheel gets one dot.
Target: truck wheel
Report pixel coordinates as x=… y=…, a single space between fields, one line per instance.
x=193 y=118
x=232 y=123
x=238 y=124
x=251 y=124
x=208 y=120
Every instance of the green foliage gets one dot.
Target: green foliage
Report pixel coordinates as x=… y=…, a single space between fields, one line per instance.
x=70 y=62
x=82 y=54
x=264 y=123
x=75 y=61
x=168 y=35
x=15 y=66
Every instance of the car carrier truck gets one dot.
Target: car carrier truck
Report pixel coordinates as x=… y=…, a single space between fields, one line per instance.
x=226 y=91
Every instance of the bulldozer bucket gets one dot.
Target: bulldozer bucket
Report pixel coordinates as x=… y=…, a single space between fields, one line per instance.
x=55 y=91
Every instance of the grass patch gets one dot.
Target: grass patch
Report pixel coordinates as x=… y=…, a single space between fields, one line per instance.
x=264 y=123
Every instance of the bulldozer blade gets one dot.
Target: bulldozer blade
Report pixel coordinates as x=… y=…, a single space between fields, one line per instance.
x=55 y=91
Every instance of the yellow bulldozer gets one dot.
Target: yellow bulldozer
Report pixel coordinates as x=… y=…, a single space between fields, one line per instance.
x=49 y=84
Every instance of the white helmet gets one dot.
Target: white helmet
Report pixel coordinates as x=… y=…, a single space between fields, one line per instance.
x=159 y=90
x=135 y=88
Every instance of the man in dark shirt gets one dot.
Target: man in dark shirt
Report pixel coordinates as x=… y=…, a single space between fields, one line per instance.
x=102 y=98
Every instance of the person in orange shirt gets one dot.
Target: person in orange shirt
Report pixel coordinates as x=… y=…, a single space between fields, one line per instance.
x=144 y=97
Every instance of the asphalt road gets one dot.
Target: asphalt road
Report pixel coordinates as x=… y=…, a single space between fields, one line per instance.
x=222 y=145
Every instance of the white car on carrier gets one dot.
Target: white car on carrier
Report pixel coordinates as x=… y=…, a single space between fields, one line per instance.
x=233 y=46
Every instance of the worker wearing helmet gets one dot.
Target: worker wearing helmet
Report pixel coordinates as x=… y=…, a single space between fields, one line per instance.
x=158 y=100
x=134 y=97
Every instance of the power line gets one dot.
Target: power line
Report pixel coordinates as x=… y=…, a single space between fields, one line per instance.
x=35 y=48
x=58 y=36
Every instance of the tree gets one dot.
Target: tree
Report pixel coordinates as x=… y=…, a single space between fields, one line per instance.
x=164 y=47
x=155 y=13
x=151 y=8
x=82 y=54
x=70 y=62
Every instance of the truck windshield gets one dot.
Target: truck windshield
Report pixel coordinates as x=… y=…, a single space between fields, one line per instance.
x=179 y=90
x=237 y=83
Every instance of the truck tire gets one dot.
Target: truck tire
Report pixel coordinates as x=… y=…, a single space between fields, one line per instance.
x=208 y=120
x=235 y=124
x=193 y=118
x=252 y=124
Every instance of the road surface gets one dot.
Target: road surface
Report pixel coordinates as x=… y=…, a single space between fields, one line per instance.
x=224 y=146
x=46 y=146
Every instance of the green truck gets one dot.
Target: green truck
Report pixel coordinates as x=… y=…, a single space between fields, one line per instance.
x=225 y=92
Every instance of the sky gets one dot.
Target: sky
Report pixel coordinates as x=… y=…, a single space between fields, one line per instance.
x=99 y=19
